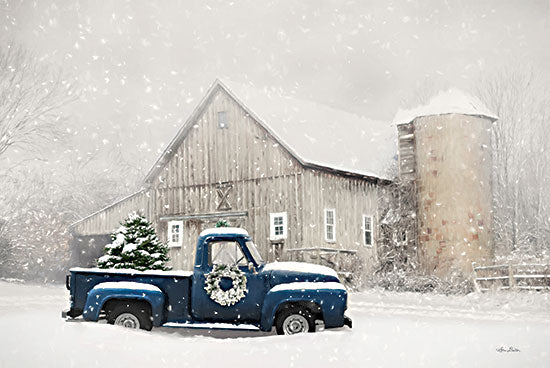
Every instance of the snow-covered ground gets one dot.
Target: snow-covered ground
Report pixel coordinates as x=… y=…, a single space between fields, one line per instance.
x=390 y=329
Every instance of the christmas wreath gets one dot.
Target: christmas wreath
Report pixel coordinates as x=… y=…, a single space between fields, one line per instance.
x=226 y=297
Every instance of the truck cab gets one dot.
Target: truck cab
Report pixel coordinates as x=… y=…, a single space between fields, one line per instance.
x=230 y=283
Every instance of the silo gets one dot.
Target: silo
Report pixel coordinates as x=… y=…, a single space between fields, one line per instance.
x=445 y=148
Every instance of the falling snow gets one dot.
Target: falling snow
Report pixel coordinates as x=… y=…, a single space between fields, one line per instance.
x=92 y=94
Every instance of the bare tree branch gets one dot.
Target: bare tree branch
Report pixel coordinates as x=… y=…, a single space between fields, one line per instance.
x=521 y=159
x=31 y=97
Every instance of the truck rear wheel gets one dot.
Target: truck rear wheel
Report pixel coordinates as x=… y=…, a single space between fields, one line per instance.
x=130 y=315
x=294 y=320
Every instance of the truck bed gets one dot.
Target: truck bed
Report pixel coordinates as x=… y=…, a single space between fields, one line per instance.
x=176 y=286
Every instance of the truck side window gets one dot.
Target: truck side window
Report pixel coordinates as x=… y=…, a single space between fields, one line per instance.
x=227 y=253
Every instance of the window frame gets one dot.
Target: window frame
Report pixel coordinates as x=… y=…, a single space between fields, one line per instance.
x=364 y=230
x=333 y=211
x=179 y=243
x=223 y=123
x=233 y=242
x=272 y=225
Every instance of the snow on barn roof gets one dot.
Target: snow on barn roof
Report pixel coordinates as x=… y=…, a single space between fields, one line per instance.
x=452 y=101
x=321 y=135
x=316 y=135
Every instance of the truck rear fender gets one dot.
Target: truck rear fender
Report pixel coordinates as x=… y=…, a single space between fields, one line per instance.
x=97 y=298
x=329 y=304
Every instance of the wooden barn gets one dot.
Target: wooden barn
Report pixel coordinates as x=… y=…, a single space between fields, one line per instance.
x=304 y=179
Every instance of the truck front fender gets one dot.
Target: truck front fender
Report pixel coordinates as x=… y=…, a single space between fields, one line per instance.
x=103 y=292
x=331 y=297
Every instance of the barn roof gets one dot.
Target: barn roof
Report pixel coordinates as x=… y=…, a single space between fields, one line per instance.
x=315 y=134
x=452 y=101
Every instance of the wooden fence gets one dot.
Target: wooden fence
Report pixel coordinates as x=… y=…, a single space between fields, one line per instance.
x=512 y=277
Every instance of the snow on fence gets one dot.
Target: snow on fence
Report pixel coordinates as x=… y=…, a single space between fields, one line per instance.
x=509 y=276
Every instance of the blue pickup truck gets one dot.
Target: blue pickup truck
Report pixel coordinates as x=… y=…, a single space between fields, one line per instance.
x=229 y=284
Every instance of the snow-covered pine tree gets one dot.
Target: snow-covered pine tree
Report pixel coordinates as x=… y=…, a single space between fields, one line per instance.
x=222 y=223
x=135 y=246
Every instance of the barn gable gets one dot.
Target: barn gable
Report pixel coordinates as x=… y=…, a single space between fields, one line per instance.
x=316 y=136
x=245 y=147
x=222 y=143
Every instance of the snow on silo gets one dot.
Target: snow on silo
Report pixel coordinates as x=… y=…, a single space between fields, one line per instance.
x=445 y=148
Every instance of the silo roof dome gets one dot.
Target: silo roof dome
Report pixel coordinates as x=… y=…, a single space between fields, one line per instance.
x=452 y=101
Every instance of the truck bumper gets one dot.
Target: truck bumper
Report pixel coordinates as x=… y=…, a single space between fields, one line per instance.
x=71 y=313
x=347 y=321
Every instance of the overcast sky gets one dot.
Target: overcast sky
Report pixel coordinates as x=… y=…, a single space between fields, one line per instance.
x=144 y=65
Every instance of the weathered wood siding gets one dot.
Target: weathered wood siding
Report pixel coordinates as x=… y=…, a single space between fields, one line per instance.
x=351 y=198
x=406 y=151
x=264 y=178
x=208 y=154
x=108 y=219
x=256 y=197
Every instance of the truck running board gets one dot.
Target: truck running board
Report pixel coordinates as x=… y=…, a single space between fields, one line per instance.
x=212 y=326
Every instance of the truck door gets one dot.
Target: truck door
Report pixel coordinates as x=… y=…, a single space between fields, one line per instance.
x=248 y=308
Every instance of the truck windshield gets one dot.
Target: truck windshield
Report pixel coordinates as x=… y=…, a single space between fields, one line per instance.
x=254 y=252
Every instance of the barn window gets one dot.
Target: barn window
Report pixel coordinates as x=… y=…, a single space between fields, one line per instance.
x=367 y=230
x=278 y=226
x=330 y=221
x=223 y=122
x=175 y=233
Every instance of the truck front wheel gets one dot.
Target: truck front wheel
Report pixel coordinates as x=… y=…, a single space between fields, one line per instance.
x=294 y=320
x=130 y=315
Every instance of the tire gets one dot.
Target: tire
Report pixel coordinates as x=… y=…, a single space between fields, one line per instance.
x=293 y=320
x=131 y=314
